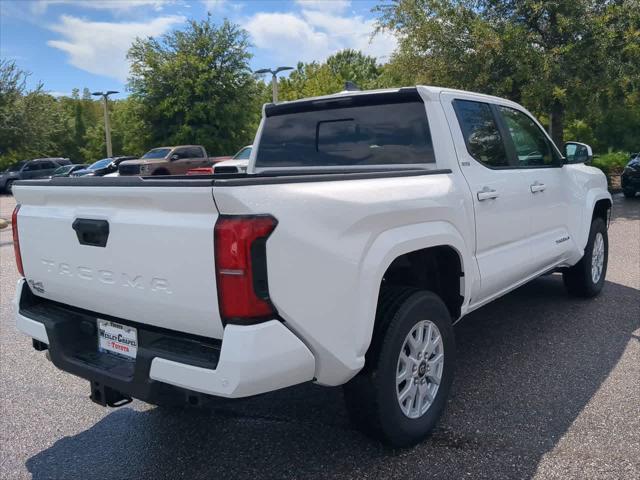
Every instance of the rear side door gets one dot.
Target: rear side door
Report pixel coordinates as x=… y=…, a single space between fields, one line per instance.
x=184 y=162
x=547 y=185
x=47 y=167
x=499 y=191
x=198 y=157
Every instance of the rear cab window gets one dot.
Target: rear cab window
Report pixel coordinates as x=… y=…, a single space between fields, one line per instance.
x=377 y=129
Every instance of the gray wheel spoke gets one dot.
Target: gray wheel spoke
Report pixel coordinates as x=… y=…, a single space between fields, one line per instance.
x=419 y=369
x=597 y=258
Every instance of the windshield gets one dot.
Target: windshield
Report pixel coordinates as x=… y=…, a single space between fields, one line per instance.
x=16 y=167
x=63 y=169
x=100 y=164
x=157 y=153
x=243 y=154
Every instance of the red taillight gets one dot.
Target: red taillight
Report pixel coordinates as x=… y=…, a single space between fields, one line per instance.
x=241 y=267
x=16 y=239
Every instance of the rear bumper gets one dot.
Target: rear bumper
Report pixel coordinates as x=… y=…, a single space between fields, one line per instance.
x=248 y=361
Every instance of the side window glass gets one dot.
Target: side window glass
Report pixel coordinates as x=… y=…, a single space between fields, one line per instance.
x=181 y=152
x=195 y=152
x=531 y=144
x=481 y=134
x=31 y=167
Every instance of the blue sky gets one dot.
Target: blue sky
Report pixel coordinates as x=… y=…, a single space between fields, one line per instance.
x=83 y=43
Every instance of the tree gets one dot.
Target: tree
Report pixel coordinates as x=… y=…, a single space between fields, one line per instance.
x=195 y=86
x=557 y=57
x=314 y=79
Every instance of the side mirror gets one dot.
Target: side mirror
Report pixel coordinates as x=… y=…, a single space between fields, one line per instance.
x=576 y=152
x=174 y=157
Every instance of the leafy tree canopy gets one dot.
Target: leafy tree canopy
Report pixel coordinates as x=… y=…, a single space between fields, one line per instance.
x=195 y=86
x=563 y=58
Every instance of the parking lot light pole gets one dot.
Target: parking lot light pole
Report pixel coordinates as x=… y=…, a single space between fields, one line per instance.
x=274 y=79
x=107 y=126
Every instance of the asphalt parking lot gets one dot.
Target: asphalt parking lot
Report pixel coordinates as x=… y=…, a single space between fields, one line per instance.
x=547 y=387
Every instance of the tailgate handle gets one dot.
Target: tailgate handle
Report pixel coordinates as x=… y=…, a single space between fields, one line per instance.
x=91 y=232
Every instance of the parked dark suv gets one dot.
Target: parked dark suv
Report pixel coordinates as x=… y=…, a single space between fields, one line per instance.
x=631 y=176
x=29 y=169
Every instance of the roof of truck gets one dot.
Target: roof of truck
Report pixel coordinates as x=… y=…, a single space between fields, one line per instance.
x=432 y=92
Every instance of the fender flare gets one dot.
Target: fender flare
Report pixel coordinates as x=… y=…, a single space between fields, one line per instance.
x=593 y=196
x=388 y=246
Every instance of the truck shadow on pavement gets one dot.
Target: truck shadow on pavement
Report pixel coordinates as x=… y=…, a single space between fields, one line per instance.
x=527 y=366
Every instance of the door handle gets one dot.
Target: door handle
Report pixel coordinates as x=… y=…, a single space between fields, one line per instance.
x=537 y=187
x=487 y=194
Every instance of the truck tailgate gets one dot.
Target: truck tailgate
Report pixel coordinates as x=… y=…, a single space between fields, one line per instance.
x=156 y=268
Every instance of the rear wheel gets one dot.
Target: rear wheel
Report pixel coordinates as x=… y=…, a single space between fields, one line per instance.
x=402 y=391
x=9 y=186
x=586 y=278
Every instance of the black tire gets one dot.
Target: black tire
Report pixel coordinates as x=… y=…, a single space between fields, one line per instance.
x=8 y=187
x=371 y=398
x=629 y=193
x=578 y=279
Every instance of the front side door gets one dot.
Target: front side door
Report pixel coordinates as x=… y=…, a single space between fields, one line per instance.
x=499 y=191
x=548 y=187
x=31 y=170
x=184 y=162
x=198 y=158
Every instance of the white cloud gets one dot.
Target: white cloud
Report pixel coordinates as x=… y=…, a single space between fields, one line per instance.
x=55 y=93
x=314 y=34
x=41 y=6
x=101 y=47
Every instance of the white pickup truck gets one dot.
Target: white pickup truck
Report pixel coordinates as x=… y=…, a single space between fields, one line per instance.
x=368 y=223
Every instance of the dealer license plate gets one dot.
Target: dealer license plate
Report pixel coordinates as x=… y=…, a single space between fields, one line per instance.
x=117 y=338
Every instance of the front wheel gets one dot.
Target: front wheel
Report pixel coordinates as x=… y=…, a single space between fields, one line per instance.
x=586 y=278
x=403 y=389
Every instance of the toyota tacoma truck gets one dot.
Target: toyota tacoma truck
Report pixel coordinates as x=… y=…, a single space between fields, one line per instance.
x=366 y=226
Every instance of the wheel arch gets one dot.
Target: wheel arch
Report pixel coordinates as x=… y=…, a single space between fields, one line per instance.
x=428 y=242
x=598 y=204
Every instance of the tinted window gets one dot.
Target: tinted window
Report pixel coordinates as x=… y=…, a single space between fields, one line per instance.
x=531 y=144
x=378 y=130
x=47 y=165
x=182 y=152
x=32 y=166
x=194 y=152
x=481 y=133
